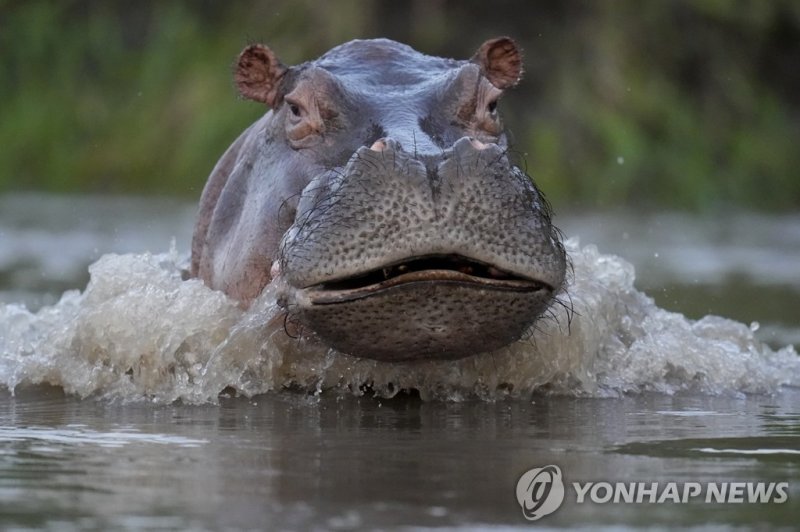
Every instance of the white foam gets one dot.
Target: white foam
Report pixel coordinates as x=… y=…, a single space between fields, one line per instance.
x=55 y=439
x=712 y=450
x=139 y=332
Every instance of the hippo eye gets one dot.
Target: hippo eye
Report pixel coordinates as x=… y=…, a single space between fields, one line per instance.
x=492 y=107
x=294 y=107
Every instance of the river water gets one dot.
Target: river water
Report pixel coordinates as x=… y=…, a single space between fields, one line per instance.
x=131 y=399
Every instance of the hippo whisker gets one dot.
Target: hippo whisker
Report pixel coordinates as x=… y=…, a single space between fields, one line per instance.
x=288 y=319
x=566 y=303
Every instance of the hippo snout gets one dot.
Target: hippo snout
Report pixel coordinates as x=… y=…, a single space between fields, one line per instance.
x=400 y=256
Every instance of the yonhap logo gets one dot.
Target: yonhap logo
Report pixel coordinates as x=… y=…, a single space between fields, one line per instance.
x=540 y=492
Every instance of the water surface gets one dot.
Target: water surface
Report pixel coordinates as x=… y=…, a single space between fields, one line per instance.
x=297 y=462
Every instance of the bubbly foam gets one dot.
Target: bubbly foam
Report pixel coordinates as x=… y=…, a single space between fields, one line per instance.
x=140 y=332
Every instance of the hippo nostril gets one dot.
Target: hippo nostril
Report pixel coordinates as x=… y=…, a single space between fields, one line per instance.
x=275 y=270
x=379 y=145
x=467 y=145
x=478 y=145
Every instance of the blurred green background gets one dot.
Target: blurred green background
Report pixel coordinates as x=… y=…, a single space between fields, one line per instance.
x=633 y=103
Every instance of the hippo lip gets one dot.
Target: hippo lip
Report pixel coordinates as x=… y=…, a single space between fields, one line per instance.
x=430 y=269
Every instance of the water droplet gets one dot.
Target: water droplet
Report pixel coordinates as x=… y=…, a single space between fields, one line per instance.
x=437 y=511
x=754 y=326
x=620 y=160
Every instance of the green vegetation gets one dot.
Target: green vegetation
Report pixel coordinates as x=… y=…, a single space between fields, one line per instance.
x=635 y=103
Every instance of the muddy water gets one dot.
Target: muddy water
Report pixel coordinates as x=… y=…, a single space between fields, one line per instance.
x=290 y=461
x=624 y=391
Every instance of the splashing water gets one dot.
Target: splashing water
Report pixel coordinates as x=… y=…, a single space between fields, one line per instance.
x=140 y=332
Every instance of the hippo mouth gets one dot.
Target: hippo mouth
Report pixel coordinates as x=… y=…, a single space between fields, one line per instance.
x=440 y=269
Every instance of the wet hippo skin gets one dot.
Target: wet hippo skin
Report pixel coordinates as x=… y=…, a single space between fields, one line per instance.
x=378 y=196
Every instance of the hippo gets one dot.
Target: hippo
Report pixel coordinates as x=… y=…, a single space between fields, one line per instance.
x=377 y=196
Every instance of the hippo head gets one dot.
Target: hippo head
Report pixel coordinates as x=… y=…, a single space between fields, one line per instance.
x=378 y=196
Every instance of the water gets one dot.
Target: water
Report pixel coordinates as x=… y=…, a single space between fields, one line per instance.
x=293 y=461
x=625 y=390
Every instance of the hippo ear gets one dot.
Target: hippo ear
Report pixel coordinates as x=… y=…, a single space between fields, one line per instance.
x=258 y=72
x=500 y=60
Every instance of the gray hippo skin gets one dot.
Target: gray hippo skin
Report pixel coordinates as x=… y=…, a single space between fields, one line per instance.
x=378 y=196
